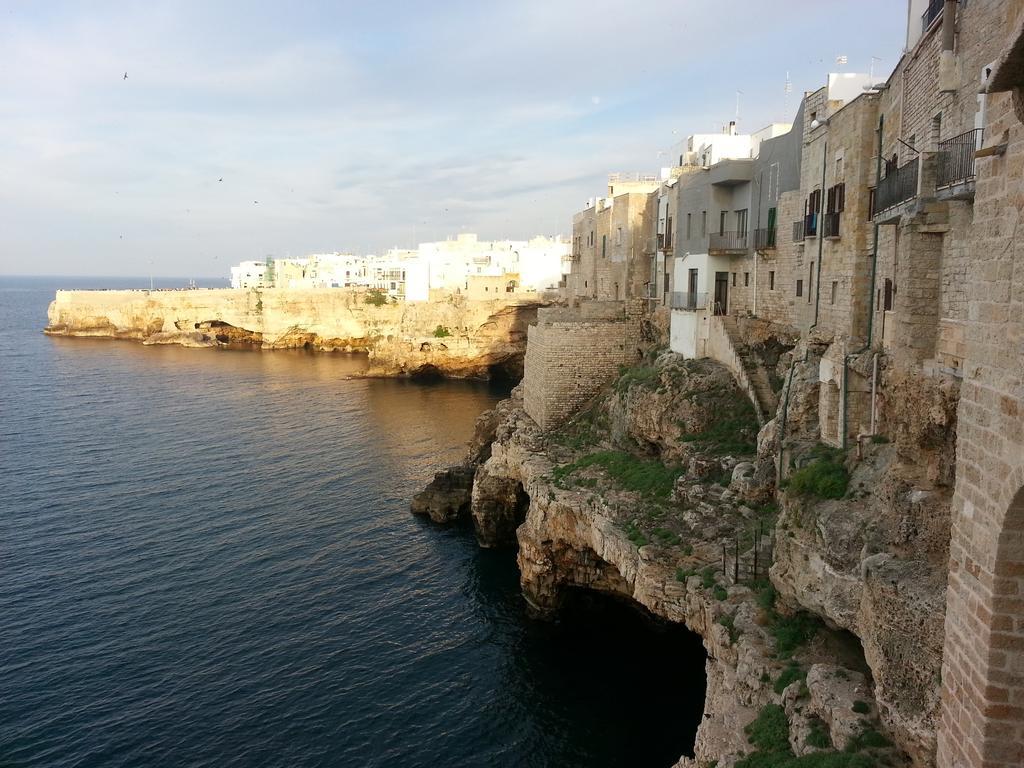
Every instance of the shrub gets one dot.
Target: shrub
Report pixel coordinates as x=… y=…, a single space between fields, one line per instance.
x=644 y=376
x=861 y=707
x=636 y=536
x=728 y=621
x=825 y=477
x=818 y=736
x=440 y=332
x=707 y=577
x=770 y=730
x=879 y=439
x=869 y=738
x=666 y=536
x=789 y=675
x=682 y=574
x=648 y=477
x=720 y=592
x=734 y=430
x=791 y=632
x=376 y=297
x=766 y=596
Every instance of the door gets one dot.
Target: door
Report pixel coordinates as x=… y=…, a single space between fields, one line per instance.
x=721 y=293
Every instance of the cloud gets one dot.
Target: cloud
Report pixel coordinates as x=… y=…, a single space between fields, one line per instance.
x=363 y=125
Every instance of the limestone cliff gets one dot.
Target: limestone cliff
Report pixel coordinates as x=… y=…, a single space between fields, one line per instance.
x=457 y=338
x=657 y=492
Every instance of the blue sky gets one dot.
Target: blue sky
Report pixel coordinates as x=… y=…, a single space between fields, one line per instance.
x=358 y=126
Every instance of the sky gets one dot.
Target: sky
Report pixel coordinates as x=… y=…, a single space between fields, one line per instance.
x=248 y=129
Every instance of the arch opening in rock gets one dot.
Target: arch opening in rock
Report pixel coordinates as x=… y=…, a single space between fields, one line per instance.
x=636 y=676
x=426 y=372
x=507 y=371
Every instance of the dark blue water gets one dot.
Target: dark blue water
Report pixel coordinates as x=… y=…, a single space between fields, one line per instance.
x=206 y=559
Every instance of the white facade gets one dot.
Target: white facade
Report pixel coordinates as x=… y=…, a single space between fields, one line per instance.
x=249 y=274
x=691 y=309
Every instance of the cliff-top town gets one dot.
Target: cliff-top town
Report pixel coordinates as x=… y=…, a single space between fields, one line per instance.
x=773 y=391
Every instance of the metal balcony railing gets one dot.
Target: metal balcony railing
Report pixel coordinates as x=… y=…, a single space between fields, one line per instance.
x=897 y=187
x=689 y=301
x=956 y=158
x=830 y=224
x=727 y=241
x=811 y=225
x=798 y=231
x=931 y=13
x=764 y=239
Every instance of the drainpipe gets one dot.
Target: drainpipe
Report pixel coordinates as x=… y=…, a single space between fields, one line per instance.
x=871 y=303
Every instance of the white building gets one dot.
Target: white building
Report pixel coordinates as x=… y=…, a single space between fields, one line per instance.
x=249 y=274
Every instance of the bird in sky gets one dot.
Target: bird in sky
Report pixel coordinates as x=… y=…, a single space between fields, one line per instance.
x=255 y=202
x=125 y=75
x=221 y=179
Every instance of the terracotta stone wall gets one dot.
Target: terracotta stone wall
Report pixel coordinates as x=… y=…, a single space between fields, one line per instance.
x=983 y=666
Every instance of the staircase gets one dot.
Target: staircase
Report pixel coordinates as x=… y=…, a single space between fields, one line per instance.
x=745 y=366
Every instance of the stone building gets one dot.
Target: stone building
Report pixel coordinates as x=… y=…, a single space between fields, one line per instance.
x=611 y=241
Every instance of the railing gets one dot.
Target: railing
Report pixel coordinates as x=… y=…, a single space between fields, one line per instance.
x=764 y=239
x=727 y=241
x=689 y=301
x=830 y=224
x=932 y=12
x=899 y=186
x=811 y=225
x=956 y=158
x=798 y=231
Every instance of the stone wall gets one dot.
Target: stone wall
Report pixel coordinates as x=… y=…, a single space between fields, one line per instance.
x=572 y=353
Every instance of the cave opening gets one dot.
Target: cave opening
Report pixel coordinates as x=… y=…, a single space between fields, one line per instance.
x=625 y=677
x=508 y=372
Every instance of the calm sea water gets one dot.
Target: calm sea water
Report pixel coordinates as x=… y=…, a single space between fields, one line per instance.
x=206 y=559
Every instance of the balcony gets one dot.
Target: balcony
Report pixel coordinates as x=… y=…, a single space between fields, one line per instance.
x=798 y=231
x=811 y=225
x=931 y=13
x=830 y=225
x=690 y=302
x=897 y=187
x=955 y=164
x=725 y=243
x=764 y=239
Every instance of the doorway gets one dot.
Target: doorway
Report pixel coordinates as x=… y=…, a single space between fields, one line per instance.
x=721 y=293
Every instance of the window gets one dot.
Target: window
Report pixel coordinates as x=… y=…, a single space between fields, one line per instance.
x=799 y=287
x=721 y=222
x=692 y=286
x=771 y=281
x=618 y=236
x=746 y=279
x=689 y=232
x=604 y=246
x=888 y=292
x=814 y=201
x=835 y=290
x=741 y=222
x=703 y=223
x=810 y=281
x=836 y=198
x=733 y=279
x=668 y=233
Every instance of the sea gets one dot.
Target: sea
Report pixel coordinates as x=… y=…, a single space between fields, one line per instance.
x=207 y=559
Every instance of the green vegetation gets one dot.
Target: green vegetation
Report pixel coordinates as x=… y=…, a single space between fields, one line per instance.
x=825 y=477
x=636 y=536
x=792 y=632
x=819 y=737
x=861 y=707
x=707 y=577
x=869 y=738
x=682 y=574
x=734 y=431
x=375 y=297
x=769 y=733
x=441 y=331
x=728 y=621
x=879 y=439
x=720 y=593
x=646 y=376
x=789 y=675
x=666 y=536
x=648 y=477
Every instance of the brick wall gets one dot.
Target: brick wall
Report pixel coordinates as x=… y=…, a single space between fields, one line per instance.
x=983 y=663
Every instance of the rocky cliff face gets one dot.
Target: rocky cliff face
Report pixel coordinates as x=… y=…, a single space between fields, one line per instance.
x=638 y=496
x=456 y=338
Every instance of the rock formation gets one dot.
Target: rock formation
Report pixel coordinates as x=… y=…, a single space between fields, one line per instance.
x=636 y=497
x=457 y=338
